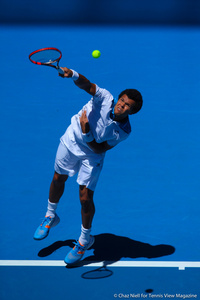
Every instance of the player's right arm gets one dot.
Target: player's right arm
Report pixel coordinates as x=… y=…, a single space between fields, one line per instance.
x=82 y=82
x=99 y=147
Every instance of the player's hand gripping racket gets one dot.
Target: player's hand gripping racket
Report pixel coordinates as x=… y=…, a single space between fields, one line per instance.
x=47 y=57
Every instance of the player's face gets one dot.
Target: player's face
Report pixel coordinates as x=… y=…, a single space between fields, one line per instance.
x=123 y=107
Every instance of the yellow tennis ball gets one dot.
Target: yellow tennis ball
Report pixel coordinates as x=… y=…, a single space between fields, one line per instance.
x=96 y=53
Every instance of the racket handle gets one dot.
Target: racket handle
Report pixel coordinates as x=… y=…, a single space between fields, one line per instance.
x=61 y=71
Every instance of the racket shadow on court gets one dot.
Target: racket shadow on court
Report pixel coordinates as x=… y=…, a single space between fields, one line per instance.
x=109 y=248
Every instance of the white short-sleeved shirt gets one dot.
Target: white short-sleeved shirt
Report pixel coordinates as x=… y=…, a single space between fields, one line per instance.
x=99 y=113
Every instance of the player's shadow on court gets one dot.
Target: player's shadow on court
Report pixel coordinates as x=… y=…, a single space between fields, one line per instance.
x=111 y=248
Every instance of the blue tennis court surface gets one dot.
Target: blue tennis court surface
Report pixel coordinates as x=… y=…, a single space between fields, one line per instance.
x=147 y=198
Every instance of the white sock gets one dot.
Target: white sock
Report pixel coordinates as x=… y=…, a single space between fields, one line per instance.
x=51 y=209
x=85 y=236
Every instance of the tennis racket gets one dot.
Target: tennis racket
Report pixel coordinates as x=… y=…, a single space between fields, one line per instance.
x=47 y=57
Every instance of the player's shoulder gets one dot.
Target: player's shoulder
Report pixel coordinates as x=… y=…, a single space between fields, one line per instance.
x=125 y=126
x=102 y=93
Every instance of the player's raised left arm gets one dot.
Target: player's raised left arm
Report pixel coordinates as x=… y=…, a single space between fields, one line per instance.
x=81 y=81
x=96 y=147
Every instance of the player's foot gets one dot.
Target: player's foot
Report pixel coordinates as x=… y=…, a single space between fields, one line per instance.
x=43 y=230
x=77 y=252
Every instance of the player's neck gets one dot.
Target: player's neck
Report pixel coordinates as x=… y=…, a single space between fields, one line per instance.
x=118 y=119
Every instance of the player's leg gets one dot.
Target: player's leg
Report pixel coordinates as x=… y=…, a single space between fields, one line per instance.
x=85 y=240
x=51 y=218
x=87 y=206
x=87 y=178
x=55 y=193
x=57 y=187
x=65 y=165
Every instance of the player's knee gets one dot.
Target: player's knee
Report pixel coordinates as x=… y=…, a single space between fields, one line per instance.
x=59 y=180
x=86 y=199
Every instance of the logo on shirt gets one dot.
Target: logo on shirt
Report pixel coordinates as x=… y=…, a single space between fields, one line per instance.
x=116 y=134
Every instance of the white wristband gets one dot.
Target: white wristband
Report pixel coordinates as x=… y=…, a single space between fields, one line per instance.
x=88 y=137
x=75 y=75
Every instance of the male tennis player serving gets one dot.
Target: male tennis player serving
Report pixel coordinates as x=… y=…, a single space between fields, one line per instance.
x=98 y=127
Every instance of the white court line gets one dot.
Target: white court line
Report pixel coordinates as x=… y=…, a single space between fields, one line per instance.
x=181 y=265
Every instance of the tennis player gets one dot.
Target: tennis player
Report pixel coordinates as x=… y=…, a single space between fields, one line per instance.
x=97 y=128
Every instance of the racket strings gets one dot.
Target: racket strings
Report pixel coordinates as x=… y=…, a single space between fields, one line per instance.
x=45 y=56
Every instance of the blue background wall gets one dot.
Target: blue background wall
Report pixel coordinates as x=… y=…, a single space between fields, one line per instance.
x=104 y=11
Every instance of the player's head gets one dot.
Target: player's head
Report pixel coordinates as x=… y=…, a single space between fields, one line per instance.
x=134 y=95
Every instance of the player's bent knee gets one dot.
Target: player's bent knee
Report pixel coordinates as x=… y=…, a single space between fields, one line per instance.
x=59 y=179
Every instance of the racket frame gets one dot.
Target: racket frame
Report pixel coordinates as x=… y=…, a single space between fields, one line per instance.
x=49 y=64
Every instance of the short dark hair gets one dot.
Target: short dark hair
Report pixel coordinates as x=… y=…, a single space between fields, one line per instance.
x=134 y=95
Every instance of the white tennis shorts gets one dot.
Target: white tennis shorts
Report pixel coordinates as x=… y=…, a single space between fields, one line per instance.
x=88 y=168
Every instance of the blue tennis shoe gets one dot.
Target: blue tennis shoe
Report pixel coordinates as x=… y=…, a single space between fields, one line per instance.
x=78 y=251
x=43 y=230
